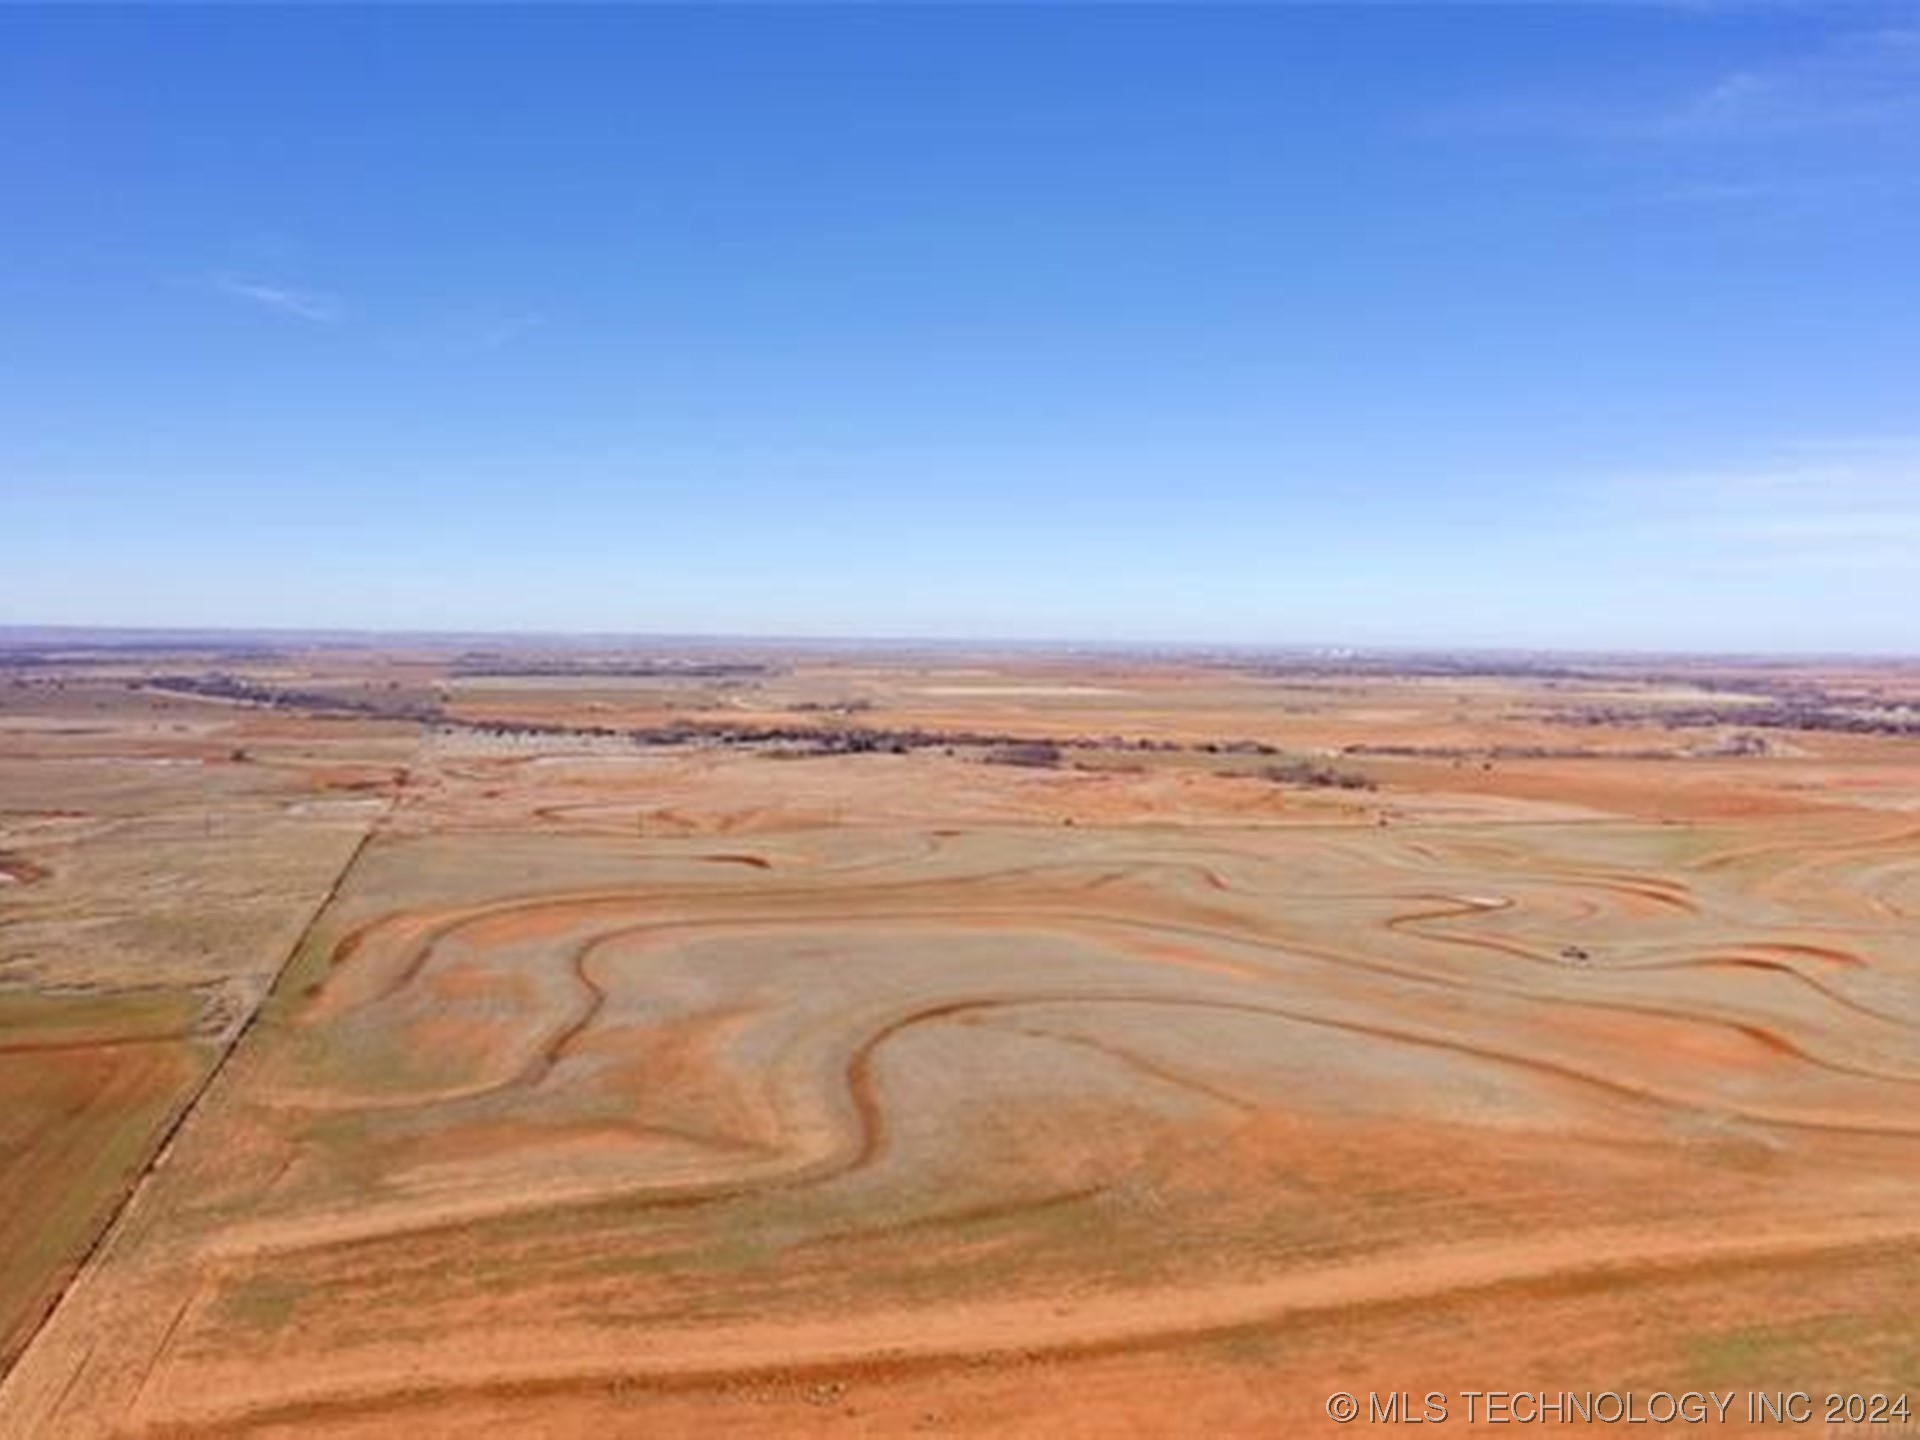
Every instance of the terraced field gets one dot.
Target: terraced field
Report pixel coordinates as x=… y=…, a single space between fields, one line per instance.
x=682 y=1091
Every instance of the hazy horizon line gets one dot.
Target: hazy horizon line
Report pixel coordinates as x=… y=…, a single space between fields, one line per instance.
x=15 y=635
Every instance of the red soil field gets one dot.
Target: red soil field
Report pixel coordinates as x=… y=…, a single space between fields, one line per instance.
x=1363 y=1032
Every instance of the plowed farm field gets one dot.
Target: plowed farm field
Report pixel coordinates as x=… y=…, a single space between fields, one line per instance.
x=1243 y=1042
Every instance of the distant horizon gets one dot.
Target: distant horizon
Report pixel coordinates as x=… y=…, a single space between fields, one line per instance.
x=27 y=636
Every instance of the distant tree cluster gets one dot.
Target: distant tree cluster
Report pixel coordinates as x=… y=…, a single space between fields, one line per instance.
x=1034 y=754
x=1505 y=752
x=1317 y=773
x=222 y=686
x=800 y=738
x=1785 y=715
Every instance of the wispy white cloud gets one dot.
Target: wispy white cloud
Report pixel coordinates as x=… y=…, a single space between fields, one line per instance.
x=478 y=331
x=1859 y=78
x=1855 y=79
x=494 y=335
x=310 y=305
x=1848 y=505
x=1804 y=189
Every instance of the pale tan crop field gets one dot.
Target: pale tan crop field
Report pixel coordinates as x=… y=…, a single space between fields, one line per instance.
x=950 y=1044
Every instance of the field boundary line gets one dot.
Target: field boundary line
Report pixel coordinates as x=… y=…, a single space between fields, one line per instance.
x=117 y=1216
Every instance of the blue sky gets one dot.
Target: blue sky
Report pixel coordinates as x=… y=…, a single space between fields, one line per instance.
x=1541 y=325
